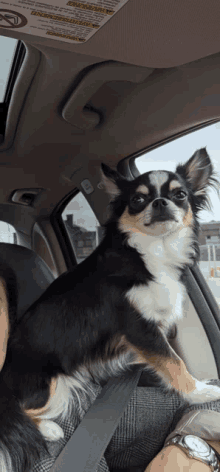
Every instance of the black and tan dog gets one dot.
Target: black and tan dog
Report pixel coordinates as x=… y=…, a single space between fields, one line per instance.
x=115 y=309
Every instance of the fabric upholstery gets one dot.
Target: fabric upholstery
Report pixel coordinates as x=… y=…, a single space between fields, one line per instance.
x=32 y=274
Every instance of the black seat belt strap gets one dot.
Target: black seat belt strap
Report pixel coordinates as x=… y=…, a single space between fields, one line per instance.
x=85 y=448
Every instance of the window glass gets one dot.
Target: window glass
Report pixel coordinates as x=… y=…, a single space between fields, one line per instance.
x=7 y=233
x=178 y=151
x=83 y=228
x=7 y=48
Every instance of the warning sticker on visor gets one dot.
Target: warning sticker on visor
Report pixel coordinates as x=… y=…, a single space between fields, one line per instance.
x=69 y=21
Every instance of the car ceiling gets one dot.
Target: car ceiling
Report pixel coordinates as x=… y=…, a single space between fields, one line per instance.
x=159 y=64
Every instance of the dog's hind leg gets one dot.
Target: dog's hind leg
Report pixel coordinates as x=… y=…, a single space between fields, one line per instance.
x=41 y=417
x=64 y=396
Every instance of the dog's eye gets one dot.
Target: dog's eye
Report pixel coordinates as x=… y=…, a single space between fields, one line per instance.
x=180 y=195
x=137 y=200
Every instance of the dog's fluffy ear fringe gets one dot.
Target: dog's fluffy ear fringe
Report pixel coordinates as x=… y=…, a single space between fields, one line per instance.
x=198 y=172
x=110 y=179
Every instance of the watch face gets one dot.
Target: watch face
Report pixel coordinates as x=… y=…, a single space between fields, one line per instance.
x=196 y=444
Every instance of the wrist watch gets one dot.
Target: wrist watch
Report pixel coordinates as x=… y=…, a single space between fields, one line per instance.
x=196 y=448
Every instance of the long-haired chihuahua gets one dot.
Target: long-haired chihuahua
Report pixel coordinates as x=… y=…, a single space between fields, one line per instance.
x=114 y=309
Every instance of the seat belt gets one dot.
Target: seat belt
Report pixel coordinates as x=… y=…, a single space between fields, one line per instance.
x=85 y=448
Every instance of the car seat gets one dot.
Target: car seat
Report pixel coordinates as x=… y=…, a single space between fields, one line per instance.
x=32 y=274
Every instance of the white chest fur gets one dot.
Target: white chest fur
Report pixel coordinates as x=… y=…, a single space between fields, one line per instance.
x=160 y=300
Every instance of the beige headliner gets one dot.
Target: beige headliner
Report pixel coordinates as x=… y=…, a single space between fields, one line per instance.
x=49 y=153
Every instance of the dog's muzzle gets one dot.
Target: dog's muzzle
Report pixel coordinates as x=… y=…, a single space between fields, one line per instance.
x=161 y=211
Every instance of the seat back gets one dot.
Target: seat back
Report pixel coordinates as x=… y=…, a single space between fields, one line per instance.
x=30 y=271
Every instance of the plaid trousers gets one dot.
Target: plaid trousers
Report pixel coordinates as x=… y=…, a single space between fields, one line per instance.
x=150 y=416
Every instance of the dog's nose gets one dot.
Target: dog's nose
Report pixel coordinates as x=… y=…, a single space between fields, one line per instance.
x=160 y=210
x=159 y=203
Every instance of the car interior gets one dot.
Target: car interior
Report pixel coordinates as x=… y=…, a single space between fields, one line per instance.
x=146 y=77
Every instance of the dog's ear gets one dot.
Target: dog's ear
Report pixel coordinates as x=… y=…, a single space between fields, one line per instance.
x=197 y=171
x=111 y=180
x=199 y=175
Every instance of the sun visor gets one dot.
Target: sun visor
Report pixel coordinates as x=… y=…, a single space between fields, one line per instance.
x=71 y=22
x=156 y=34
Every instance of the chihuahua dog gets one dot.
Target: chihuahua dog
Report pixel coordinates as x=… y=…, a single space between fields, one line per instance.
x=114 y=309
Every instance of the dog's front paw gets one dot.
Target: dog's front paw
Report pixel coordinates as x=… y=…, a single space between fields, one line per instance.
x=50 y=430
x=203 y=392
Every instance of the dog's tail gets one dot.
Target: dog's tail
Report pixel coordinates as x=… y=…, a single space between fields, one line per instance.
x=21 y=444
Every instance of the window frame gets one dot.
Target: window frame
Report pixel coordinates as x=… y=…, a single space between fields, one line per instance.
x=61 y=232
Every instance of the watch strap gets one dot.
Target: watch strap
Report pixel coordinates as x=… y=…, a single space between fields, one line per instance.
x=215 y=466
x=215 y=445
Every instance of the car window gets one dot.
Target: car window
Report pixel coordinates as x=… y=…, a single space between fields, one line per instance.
x=82 y=226
x=7 y=233
x=7 y=48
x=167 y=157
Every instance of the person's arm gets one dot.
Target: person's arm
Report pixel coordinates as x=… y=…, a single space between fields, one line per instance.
x=201 y=423
x=173 y=459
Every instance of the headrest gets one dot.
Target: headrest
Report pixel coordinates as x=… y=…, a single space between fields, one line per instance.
x=32 y=274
